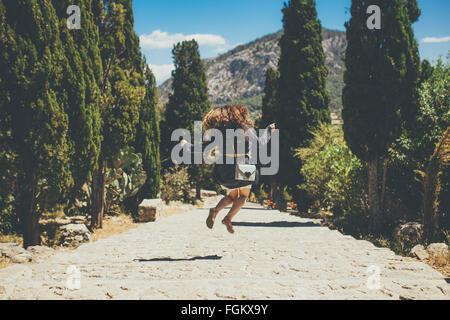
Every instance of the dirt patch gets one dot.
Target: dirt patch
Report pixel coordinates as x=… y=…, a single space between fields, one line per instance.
x=114 y=225
x=441 y=264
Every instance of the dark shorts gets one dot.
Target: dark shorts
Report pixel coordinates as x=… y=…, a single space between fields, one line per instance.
x=224 y=175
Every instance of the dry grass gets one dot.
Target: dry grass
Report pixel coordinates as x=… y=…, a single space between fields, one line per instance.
x=11 y=239
x=441 y=264
x=114 y=225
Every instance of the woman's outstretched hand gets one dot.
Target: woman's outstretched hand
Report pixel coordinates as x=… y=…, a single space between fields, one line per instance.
x=272 y=126
x=183 y=142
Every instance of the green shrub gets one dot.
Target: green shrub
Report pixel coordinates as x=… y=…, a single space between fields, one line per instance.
x=8 y=218
x=125 y=178
x=434 y=213
x=411 y=153
x=175 y=184
x=334 y=177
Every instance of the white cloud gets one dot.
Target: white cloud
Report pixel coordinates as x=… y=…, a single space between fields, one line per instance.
x=162 y=72
x=163 y=40
x=435 y=40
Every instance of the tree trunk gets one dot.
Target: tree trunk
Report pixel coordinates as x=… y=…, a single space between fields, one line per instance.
x=31 y=232
x=98 y=195
x=29 y=218
x=383 y=188
x=198 y=193
x=277 y=196
x=272 y=190
x=374 y=198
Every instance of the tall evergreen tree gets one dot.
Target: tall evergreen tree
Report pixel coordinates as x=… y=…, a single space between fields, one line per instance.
x=148 y=139
x=122 y=90
x=302 y=96
x=269 y=103
x=31 y=64
x=269 y=115
x=81 y=78
x=189 y=101
x=380 y=86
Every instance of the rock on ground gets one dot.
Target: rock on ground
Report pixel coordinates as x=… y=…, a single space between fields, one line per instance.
x=9 y=250
x=272 y=255
x=21 y=258
x=16 y=254
x=438 y=249
x=419 y=252
x=40 y=253
x=149 y=210
x=74 y=234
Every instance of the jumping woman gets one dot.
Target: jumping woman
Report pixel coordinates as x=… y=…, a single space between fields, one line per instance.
x=238 y=190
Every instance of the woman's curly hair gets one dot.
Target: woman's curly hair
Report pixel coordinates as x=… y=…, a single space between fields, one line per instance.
x=229 y=117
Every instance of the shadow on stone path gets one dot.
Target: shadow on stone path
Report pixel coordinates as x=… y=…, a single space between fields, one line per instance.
x=215 y=257
x=272 y=255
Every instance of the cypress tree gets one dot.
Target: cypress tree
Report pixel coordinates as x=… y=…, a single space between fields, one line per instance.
x=302 y=97
x=189 y=100
x=269 y=111
x=148 y=139
x=132 y=48
x=270 y=115
x=122 y=91
x=31 y=64
x=380 y=86
x=83 y=95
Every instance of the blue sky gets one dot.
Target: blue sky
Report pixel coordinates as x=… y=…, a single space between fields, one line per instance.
x=220 y=25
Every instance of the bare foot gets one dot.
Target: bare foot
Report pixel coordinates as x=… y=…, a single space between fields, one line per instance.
x=211 y=218
x=227 y=222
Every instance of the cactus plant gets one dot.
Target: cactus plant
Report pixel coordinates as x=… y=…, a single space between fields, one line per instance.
x=125 y=177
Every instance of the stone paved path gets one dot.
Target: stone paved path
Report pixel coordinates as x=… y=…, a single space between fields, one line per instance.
x=272 y=255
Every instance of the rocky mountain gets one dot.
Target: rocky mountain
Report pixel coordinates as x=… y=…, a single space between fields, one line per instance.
x=239 y=75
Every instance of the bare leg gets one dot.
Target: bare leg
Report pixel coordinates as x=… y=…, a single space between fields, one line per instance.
x=238 y=203
x=225 y=201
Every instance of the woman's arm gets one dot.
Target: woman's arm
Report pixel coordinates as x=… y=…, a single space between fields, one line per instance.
x=189 y=147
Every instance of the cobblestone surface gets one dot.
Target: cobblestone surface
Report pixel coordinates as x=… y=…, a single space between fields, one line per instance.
x=272 y=255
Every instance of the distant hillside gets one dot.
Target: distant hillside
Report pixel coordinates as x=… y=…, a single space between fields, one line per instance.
x=239 y=75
